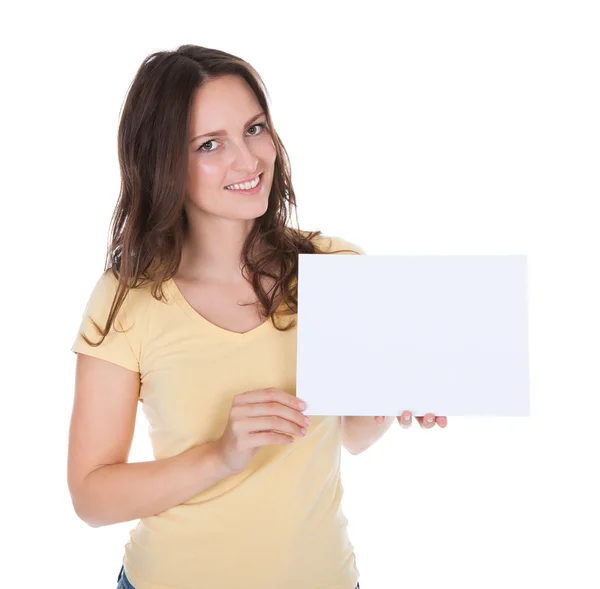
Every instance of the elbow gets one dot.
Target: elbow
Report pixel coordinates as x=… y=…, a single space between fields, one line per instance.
x=85 y=506
x=86 y=519
x=93 y=523
x=85 y=516
x=354 y=450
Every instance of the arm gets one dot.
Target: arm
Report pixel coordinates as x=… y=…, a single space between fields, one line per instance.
x=360 y=432
x=118 y=493
x=106 y=489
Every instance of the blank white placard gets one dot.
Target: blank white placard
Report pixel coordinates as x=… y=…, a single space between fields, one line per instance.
x=380 y=334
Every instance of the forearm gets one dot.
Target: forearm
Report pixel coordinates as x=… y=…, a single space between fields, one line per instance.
x=360 y=432
x=123 y=492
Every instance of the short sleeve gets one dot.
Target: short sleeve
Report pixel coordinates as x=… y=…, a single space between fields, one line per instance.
x=117 y=346
x=337 y=244
x=354 y=247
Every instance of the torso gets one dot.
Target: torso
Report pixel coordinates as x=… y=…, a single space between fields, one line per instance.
x=218 y=303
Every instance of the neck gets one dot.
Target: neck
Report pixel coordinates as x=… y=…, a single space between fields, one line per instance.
x=214 y=251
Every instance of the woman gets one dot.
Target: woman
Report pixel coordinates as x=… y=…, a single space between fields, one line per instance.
x=196 y=316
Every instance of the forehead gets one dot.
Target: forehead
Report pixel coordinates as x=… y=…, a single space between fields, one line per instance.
x=222 y=103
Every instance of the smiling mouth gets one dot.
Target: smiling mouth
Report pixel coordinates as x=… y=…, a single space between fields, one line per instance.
x=259 y=176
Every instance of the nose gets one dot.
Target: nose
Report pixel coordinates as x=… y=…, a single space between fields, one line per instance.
x=244 y=160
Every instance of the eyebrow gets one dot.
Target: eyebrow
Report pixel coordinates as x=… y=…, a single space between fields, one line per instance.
x=221 y=132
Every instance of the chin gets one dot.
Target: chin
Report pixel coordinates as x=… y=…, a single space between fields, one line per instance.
x=248 y=213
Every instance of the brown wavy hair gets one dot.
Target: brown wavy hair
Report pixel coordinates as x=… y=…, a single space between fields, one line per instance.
x=149 y=222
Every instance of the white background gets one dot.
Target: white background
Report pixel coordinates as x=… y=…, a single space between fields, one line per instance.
x=413 y=128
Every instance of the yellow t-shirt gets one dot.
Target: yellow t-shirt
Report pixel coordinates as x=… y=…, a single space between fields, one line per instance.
x=278 y=524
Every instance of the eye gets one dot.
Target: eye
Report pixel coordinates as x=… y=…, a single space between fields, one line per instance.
x=207 y=143
x=262 y=125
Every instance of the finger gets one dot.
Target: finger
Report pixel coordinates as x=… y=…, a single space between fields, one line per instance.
x=273 y=423
x=270 y=394
x=277 y=409
x=405 y=420
x=427 y=421
x=380 y=419
x=442 y=420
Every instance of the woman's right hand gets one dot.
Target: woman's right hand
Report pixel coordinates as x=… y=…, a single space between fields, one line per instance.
x=252 y=420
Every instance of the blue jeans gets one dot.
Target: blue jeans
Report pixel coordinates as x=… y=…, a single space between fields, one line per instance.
x=123 y=580
x=125 y=584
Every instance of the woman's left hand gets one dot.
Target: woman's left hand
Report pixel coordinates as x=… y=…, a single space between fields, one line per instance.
x=427 y=421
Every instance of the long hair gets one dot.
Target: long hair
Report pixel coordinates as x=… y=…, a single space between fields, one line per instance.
x=149 y=223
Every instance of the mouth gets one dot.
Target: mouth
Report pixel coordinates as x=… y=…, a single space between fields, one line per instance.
x=253 y=190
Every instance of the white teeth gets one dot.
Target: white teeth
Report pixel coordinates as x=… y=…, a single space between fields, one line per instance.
x=244 y=186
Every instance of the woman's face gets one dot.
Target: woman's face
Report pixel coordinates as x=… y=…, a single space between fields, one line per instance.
x=243 y=151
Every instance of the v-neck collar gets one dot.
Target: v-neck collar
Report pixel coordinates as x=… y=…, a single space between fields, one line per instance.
x=218 y=331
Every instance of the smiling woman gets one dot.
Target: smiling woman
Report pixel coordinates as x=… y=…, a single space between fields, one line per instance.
x=196 y=312
x=228 y=156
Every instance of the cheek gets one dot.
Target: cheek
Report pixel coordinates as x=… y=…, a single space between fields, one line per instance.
x=269 y=152
x=209 y=173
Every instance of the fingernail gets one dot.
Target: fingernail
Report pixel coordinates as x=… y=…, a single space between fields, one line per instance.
x=430 y=419
x=407 y=417
x=302 y=405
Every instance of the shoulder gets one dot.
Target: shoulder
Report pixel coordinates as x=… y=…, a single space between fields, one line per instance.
x=105 y=289
x=334 y=244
